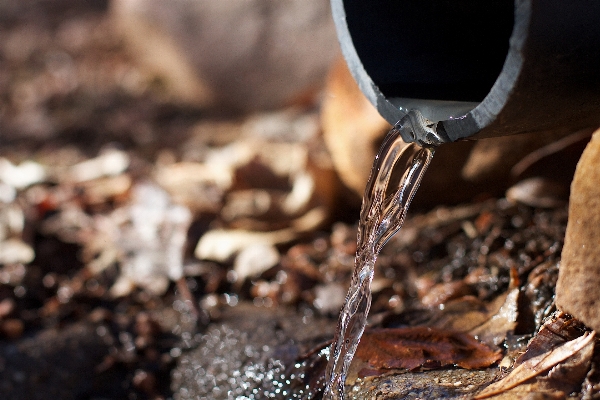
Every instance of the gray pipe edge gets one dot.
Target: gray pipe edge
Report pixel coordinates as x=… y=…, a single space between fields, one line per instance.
x=486 y=112
x=505 y=109
x=459 y=120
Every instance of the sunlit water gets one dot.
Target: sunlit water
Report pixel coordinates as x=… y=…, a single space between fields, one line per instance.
x=395 y=177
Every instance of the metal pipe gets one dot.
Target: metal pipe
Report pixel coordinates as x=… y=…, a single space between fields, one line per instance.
x=475 y=69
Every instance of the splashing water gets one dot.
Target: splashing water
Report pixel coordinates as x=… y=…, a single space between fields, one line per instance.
x=385 y=202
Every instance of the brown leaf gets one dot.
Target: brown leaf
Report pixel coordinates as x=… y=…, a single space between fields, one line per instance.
x=536 y=365
x=494 y=330
x=444 y=292
x=415 y=347
x=488 y=322
x=560 y=329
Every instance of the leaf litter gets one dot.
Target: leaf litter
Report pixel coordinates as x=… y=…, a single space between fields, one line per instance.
x=566 y=363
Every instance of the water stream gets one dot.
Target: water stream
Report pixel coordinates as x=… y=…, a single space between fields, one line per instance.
x=395 y=177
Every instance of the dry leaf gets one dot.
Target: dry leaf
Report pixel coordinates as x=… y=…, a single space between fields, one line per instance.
x=110 y=162
x=553 y=333
x=222 y=244
x=494 y=330
x=536 y=365
x=22 y=175
x=421 y=347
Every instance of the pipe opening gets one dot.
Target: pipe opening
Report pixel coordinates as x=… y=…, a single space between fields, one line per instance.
x=431 y=49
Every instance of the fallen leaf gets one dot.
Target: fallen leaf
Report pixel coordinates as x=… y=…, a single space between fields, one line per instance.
x=494 y=330
x=569 y=375
x=539 y=192
x=254 y=260
x=422 y=347
x=22 y=175
x=200 y=187
x=554 y=332
x=223 y=244
x=110 y=162
x=489 y=322
x=537 y=365
x=14 y=251
x=444 y=292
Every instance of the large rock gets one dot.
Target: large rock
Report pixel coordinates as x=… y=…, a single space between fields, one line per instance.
x=579 y=277
x=246 y=55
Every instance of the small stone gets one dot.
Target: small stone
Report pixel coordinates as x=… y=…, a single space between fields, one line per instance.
x=579 y=275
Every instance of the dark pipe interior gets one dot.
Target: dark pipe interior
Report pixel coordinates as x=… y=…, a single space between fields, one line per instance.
x=432 y=49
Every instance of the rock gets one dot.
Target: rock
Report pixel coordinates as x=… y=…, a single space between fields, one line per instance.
x=248 y=55
x=579 y=275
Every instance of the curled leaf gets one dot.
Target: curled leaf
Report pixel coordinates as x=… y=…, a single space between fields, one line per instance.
x=537 y=365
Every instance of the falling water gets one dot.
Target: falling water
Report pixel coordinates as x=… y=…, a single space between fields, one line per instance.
x=386 y=200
